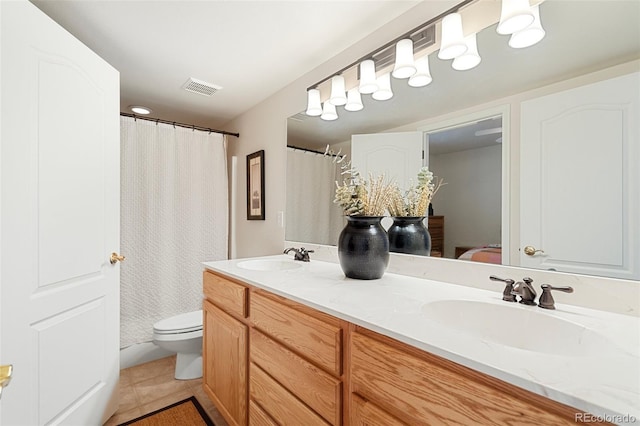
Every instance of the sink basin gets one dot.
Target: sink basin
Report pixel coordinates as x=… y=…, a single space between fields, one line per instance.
x=517 y=326
x=268 y=265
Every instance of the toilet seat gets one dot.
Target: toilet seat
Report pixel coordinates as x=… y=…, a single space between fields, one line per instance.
x=179 y=324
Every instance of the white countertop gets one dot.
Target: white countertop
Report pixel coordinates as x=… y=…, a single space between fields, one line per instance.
x=604 y=383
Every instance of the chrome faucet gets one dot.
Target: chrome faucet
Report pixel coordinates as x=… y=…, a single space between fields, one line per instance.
x=525 y=290
x=507 y=294
x=546 y=299
x=301 y=254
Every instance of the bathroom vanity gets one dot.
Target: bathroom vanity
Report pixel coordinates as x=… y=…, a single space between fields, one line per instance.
x=295 y=343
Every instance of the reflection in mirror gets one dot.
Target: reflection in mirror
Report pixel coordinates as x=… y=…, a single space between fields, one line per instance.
x=601 y=41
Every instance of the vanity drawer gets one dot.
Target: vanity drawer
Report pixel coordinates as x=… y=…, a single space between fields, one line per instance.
x=314 y=339
x=316 y=388
x=277 y=402
x=420 y=388
x=364 y=412
x=226 y=294
x=257 y=416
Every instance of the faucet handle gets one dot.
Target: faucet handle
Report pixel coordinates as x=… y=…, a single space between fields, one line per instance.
x=546 y=298
x=507 y=294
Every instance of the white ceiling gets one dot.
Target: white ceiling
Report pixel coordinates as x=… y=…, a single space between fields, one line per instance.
x=250 y=48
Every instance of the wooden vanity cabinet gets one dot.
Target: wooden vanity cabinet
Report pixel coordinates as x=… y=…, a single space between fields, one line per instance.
x=394 y=384
x=271 y=361
x=268 y=360
x=296 y=362
x=225 y=347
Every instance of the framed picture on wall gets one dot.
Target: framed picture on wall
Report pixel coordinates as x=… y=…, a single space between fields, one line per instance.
x=255 y=186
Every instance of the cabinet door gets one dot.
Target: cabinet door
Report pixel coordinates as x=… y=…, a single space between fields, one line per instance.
x=225 y=363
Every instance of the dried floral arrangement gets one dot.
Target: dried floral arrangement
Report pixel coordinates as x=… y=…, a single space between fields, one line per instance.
x=358 y=196
x=415 y=201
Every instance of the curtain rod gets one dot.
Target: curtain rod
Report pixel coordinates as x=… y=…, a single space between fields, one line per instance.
x=174 y=123
x=327 y=154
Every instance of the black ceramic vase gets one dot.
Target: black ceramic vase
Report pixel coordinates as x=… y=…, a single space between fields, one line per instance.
x=409 y=235
x=363 y=248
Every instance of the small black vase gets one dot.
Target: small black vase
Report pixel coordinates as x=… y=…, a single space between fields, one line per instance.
x=409 y=235
x=363 y=248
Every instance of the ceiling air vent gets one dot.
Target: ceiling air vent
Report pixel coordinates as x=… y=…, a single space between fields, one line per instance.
x=200 y=87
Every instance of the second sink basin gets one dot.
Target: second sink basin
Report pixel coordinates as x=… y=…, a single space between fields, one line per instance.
x=268 y=265
x=518 y=326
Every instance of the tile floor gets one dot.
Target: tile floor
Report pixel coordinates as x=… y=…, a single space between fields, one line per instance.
x=148 y=387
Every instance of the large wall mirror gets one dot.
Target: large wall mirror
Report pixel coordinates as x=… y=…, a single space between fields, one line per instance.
x=471 y=147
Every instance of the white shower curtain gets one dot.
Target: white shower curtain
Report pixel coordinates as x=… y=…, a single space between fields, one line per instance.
x=311 y=214
x=174 y=214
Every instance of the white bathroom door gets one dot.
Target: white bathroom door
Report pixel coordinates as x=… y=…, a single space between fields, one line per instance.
x=580 y=181
x=59 y=222
x=399 y=156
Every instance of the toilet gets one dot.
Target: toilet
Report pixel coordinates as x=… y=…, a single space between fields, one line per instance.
x=182 y=334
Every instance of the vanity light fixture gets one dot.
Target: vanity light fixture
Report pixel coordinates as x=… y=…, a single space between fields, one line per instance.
x=530 y=35
x=452 y=42
x=515 y=15
x=368 y=83
x=470 y=58
x=338 y=93
x=314 y=107
x=404 y=66
x=422 y=77
x=354 y=100
x=407 y=56
x=384 y=88
x=329 y=111
x=138 y=109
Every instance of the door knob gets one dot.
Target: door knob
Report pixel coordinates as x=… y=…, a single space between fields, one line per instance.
x=531 y=250
x=5 y=376
x=115 y=258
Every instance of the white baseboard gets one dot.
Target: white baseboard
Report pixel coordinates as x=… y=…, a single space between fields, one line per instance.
x=140 y=353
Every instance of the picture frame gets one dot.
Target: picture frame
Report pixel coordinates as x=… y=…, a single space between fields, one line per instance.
x=255 y=186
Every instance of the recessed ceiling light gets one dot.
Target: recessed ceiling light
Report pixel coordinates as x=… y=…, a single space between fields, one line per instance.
x=140 y=109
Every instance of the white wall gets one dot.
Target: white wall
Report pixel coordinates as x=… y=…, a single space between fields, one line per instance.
x=471 y=200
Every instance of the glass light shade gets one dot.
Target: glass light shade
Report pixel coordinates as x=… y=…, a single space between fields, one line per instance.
x=470 y=58
x=314 y=107
x=329 y=111
x=368 y=82
x=338 y=94
x=530 y=35
x=354 y=100
x=404 y=66
x=452 y=39
x=422 y=77
x=384 y=88
x=515 y=15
